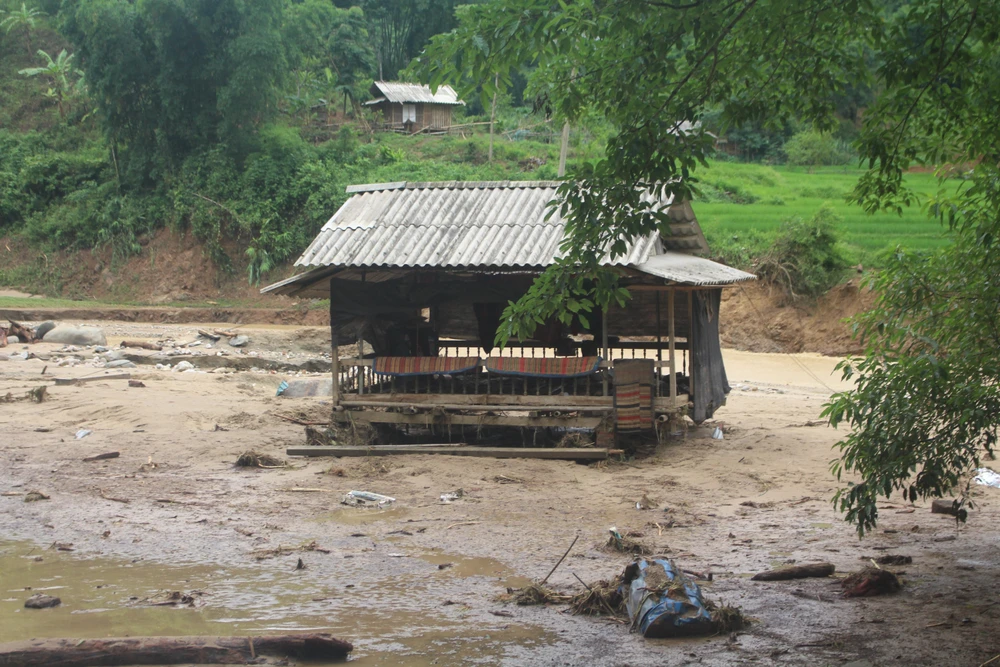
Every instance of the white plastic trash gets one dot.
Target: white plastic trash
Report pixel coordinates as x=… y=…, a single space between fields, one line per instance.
x=717 y=433
x=987 y=477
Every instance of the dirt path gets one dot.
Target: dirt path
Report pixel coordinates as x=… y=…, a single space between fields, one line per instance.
x=194 y=522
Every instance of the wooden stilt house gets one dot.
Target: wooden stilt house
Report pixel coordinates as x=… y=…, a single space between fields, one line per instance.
x=422 y=271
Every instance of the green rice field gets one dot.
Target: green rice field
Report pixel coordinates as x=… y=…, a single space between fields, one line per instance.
x=744 y=204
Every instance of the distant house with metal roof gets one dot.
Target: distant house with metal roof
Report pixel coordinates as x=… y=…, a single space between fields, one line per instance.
x=422 y=272
x=411 y=107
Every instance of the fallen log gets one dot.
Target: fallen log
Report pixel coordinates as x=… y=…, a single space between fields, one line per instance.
x=796 y=572
x=142 y=344
x=169 y=650
x=102 y=457
x=208 y=334
x=23 y=333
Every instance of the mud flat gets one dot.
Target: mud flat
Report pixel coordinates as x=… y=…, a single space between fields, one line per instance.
x=417 y=581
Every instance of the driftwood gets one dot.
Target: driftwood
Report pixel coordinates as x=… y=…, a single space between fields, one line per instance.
x=23 y=333
x=796 y=572
x=102 y=457
x=141 y=343
x=208 y=334
x=169 y=650
x=944 y=506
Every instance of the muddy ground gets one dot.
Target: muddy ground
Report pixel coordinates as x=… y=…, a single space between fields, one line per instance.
x=172 y=513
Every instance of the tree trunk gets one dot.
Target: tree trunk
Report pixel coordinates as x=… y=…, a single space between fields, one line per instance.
x=169 y=650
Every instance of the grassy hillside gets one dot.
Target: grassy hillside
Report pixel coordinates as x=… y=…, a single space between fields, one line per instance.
x=743 y=206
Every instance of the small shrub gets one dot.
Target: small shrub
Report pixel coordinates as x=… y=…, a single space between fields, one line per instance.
x=814 y=149
x=805 y=258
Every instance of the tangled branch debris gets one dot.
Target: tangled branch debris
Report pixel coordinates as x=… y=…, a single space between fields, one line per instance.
x=870 y=581
x=252 y=459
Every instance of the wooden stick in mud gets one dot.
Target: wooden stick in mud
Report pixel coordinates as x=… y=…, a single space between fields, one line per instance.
x=796 y=572
x=559 y=562
x=169 y=650
x=141 y=344
x=102 y=457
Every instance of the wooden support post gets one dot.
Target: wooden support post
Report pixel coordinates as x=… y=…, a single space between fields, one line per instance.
x=604 y=345
x=672 y=343
x=334 y=354
x=659 y=348
x=690 y=345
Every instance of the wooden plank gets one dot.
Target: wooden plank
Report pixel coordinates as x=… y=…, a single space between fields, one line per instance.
x=95 y=378
x=672 y=342
x=428 y=419
x=549 y=407
x=562 y=453
x=501 y=400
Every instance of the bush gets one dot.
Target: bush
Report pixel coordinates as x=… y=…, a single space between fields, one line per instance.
x=805 y=257
x=814 y=149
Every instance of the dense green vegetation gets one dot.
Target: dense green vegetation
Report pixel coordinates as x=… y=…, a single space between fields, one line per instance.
x=241 y=122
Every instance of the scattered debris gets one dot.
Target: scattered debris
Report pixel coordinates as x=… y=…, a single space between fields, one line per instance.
x=41 y=601
x=756 y=505
x=717 y=434
x=209 y=335
x=945 y=506
x=535 y=594
x=141 y=344
x=62 y=546
x=987 y=477
x=890 y=559
x=38 y=394
x=796 y=572
x=662 y=602
x=170 y=599
x=262 y=554
x=251 y=459
x=602 y=597
x=726 y=618
x=117 y=500
x=241 y=340
x=870 y=581
x=33 y=496
x=452 y=496
x=300 y=565
x=136 y=383
x=102 y=457
x=504 y=479
x=626 y=545
x=365 y=497
x=83 y=433
x=645 y=503
x=501 y=612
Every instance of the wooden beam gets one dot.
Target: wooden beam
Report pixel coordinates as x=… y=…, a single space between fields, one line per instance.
x=484 y=407
x=496 y=401
x=428 y=419
x=169 y=650
x=564 y=453
x=672 y=342
x=92 y=378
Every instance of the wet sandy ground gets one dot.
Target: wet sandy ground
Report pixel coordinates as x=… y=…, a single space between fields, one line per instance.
x=194 y=522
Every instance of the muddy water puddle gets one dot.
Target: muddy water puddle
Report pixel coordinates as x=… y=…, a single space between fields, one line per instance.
x=407 y=612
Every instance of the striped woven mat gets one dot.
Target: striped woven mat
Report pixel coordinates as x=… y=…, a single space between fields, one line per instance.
x=400 y=366
x=633 y=394
x=551 y=367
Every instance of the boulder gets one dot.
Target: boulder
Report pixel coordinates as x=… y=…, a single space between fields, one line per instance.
x=44 y=328
x=121 y=363
x=239 y=341
x=72 y=334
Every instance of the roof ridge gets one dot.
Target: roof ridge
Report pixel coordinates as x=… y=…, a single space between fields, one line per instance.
x=450 y=185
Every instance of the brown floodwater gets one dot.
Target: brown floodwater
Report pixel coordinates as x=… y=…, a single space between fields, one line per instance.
x=398 y=619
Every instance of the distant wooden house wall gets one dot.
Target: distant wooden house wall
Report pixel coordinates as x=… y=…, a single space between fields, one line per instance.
x=428 y=116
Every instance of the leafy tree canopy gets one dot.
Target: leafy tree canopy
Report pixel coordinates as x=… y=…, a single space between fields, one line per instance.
x=924 y=410
x=171 y=76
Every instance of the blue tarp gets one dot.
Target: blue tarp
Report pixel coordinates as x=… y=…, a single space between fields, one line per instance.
x=662 y=602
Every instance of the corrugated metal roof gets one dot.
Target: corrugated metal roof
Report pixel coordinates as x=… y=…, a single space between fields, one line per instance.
x=414 y=93
x=691 y=270
x=454 y=224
